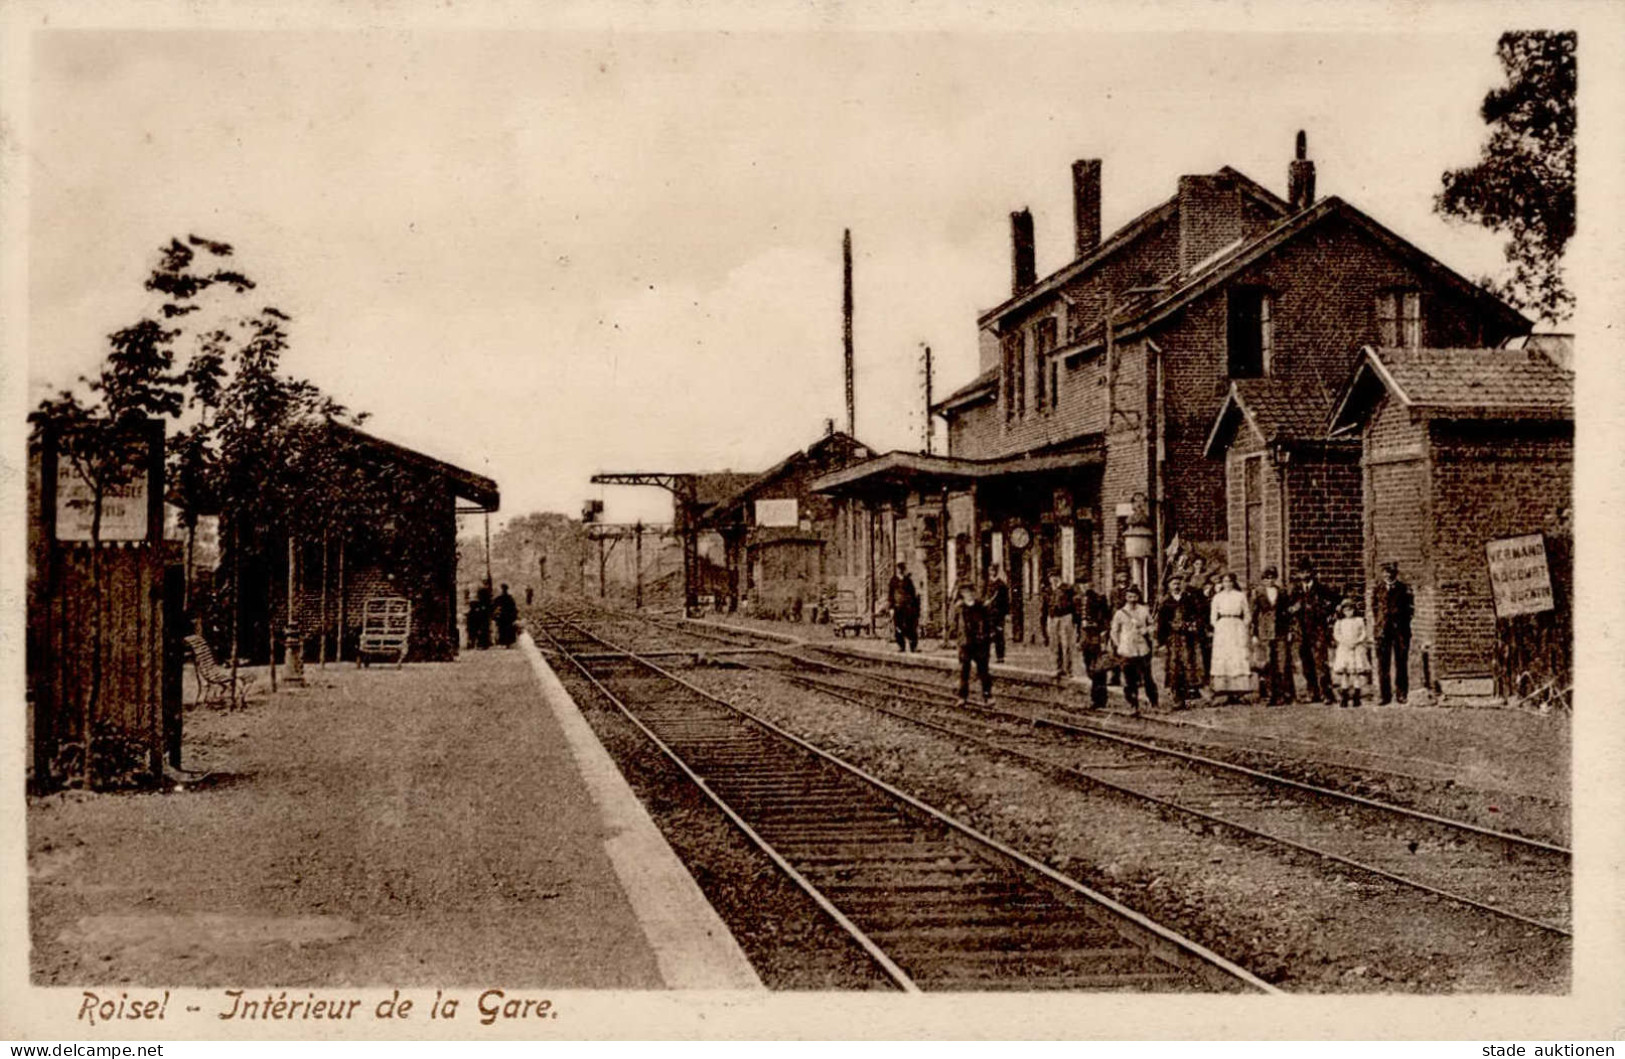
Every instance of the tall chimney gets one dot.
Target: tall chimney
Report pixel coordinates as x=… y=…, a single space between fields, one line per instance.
x=1023 y=262
x=1086 y=205
x=846 y=332
x=1301 y=176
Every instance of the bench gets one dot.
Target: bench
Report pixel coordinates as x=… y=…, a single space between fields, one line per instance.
x=215 y=681
x=386 y=629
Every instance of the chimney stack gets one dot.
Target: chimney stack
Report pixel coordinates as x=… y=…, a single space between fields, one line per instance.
x=1086 y=205
x=1023 y=261
x=1301 y=176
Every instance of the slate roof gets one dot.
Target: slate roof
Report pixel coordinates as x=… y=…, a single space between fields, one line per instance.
x=975 y=388
x=1279 y=409
x=1512 y=382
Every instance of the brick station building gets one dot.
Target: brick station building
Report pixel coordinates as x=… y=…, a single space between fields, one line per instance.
x=1102 y=383
x=1461 y=447
x=779 y=537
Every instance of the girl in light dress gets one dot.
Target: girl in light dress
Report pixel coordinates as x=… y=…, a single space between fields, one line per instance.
x=1232 y=668
x=1351 y=653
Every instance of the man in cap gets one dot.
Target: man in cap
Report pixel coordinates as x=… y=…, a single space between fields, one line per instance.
x=1392 y=606
x=1313 y=609
x=970 y=625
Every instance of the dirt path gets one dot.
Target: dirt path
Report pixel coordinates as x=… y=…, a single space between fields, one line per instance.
x=423 y=826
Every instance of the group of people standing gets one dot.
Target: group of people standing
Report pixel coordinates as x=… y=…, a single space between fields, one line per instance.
x=1218 y=641
x=483 y=611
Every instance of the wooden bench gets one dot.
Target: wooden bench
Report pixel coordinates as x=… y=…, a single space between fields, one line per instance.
x=215 y=681
x=386 y=629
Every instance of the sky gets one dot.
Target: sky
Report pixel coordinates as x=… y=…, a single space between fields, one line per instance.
x=542 y=254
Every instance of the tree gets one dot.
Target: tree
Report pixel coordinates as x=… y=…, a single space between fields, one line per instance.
x=95 y=428
x=1523 y=185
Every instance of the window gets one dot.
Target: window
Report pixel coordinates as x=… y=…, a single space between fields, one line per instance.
x=1250 y=333
x=1015 y=375
x=1399 y=319
x=1047 y=373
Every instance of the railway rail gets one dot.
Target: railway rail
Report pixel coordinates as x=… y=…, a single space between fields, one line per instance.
x=936 y=904
x=1498 y=873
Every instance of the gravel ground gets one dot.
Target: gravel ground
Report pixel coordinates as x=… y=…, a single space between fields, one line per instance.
x=423 y=826
x=789 y=940
x=1482 y=749
x=1501 y=769
x=1285 y=916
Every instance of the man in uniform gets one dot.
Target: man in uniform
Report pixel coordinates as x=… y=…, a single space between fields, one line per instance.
x=970 y=625
x=1392 y=606
x=998 y=608
x=1313 y=609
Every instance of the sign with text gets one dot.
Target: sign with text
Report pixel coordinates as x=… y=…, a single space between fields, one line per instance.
x=124 y=507
x=777 y=513
x=1519 y=577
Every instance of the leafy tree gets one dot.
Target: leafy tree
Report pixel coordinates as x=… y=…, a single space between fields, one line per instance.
x=249 y=443
x=95 y=427
x=1523 y=185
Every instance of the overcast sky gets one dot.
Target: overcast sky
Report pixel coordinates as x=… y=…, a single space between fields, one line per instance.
x=539 y=255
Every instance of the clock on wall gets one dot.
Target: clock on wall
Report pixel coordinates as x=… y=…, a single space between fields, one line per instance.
x=1019 y=537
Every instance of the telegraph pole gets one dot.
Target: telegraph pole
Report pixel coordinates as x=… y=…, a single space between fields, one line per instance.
x=928 y=430
x=846 y=332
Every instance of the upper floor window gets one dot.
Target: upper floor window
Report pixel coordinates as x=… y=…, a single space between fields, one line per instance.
x=1015 y=374
x=1250 y=333
x=1399 y=319
x=1046 y=375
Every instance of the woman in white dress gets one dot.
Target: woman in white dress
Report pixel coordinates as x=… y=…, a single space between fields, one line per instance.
x=1232 y=672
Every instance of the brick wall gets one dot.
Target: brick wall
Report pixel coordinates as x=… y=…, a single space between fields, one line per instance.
x=1490 y=480
x=1324 y=287
x=1397 y=511
x=1324 y=510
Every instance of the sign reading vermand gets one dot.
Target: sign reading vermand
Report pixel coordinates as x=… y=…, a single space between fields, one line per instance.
x=1518 y=575
x=777 y=513
x=124 y=507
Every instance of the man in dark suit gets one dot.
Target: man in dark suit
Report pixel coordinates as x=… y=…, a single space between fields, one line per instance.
x=969 y=625
x=1273 y=629
x=1093 y=619
x=1392 y=607
x=998 y=608
x=1313 y=608
x=905 y=610
x=1180 y=617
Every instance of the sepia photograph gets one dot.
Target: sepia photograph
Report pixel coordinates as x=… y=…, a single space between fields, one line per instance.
x=513 y=516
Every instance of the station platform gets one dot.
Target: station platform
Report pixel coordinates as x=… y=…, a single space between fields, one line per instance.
x=1487 y=749
x=441 y=824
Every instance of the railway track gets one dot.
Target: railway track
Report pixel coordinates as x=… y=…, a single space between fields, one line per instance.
x=1499 y=874
x=934 y=903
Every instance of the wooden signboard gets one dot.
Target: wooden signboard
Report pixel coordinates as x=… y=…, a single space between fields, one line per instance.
x=124 y=506
x=1519 y=577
